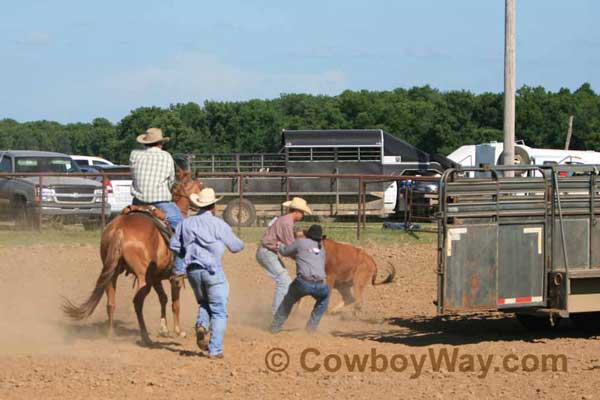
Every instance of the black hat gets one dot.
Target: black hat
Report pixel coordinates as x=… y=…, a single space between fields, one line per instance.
x=315 y=232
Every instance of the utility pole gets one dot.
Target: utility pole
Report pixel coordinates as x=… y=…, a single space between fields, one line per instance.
x=509 y=84
x=569 y=132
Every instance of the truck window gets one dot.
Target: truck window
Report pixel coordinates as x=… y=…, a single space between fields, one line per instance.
x=45 y=164
x=96 y=162
x=82 y=163
x=6 y=164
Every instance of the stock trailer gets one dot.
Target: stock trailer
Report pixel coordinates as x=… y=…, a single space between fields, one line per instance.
x=324 y=167
x=528 y=244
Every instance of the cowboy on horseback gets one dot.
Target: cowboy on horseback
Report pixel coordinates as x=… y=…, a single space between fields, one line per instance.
x=153 y=173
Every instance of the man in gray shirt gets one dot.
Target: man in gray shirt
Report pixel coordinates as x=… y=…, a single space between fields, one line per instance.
x=310 y=278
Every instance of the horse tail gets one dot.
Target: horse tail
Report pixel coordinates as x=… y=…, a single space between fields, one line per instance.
x=111 y=259
x=389 y=279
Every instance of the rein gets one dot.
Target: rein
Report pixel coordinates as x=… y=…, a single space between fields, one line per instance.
x=179 y=190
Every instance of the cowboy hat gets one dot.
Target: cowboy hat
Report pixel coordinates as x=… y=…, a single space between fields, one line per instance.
x=205 y=198
x=298 y=203
x=151 y=136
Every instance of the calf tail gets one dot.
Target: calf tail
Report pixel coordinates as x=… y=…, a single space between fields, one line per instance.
x=389 y=279
x=110 y=264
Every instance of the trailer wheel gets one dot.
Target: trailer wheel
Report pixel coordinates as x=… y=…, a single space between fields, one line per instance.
x=588 y=322
x=536 y=323
x=245 y=210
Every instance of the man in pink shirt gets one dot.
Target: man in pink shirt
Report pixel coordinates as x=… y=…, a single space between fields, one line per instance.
x=281 y=230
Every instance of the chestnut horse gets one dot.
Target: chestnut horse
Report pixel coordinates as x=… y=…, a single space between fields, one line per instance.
x=133 y=243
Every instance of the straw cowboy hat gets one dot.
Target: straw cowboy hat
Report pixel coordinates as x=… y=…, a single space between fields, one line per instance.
x=205 y=198
x=298 y=203
x=151 y=136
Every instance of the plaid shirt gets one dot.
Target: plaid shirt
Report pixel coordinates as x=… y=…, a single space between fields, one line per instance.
x=153 y=172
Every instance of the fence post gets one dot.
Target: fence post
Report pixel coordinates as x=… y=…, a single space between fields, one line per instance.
x=39 y=203
x=241 y=195
x=102 y=218
x=358 y=216
x=406 y=205
x=364 y=205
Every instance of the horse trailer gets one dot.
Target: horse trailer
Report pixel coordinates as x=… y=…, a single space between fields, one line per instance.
x=528 y=244
x=334 y=152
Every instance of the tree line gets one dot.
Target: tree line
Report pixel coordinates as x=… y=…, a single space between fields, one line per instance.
x=433 y=120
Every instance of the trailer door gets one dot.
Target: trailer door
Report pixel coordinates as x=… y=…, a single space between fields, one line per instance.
x=520 y=265
x=470 y=276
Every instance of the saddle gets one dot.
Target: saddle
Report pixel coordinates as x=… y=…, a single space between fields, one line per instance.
x=154 y=214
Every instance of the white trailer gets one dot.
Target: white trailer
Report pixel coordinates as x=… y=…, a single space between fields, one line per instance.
x=490 y=154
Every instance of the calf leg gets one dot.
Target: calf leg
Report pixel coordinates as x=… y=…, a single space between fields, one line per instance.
x=347 y=298
x=359 y=287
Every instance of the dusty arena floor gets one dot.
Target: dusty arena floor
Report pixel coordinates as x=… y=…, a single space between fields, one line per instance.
x=45 y=356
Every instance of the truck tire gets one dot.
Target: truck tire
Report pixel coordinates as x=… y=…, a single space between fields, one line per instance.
x=25 y=217
x=536 y=323
x=248 y=213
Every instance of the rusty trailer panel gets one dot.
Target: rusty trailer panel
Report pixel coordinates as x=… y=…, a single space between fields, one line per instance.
x=470 y=280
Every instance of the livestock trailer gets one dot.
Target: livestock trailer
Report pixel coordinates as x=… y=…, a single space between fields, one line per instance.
x=528 y=244
x=337 y=152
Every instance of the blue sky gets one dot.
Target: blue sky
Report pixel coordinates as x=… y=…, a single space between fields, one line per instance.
x=72 y=60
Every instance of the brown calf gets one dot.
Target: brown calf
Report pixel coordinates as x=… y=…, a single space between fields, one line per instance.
x=348 y=267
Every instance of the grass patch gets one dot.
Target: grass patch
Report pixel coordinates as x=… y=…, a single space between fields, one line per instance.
x=346 y=232
x=49 y=237
x=340 y=231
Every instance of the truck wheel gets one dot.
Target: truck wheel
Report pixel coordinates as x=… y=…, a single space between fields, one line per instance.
x=536 y=323
x=245 y=210
x=25 y=217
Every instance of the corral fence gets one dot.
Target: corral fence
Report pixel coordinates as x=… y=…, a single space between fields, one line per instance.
x=248 y=195
x=29 y=199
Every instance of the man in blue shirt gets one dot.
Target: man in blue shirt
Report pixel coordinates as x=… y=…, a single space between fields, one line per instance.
x=201 y=240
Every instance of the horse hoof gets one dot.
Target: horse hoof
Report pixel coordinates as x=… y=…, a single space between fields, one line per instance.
x=165 y=334
x=182 y=335
x=146 y=342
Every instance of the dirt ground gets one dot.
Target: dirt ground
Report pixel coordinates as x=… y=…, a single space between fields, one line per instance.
x=43 y=355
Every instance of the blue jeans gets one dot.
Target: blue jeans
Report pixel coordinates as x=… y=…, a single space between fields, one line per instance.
x=276 y=270
x=174 y=218
x=212 y=293
x=298 y=289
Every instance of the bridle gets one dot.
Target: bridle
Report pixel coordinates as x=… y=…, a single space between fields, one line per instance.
x=179 y=190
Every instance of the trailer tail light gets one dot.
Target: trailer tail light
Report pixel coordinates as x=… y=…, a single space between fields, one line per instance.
x=108 y=185
x=519 y=300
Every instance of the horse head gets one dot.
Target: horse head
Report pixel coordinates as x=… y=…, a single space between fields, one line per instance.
x=183 y=189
